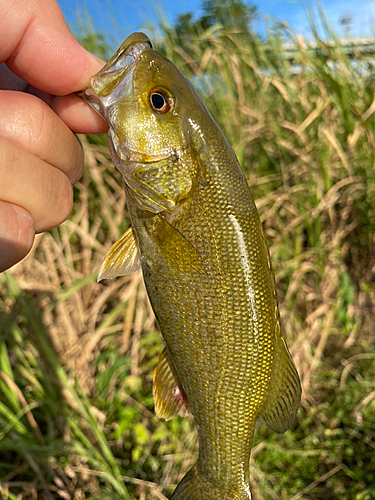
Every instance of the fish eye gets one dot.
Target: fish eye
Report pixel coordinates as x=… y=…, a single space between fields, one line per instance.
x=161 y=101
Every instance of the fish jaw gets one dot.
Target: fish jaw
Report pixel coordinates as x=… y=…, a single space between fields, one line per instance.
x=109 y=89
x=114 y=81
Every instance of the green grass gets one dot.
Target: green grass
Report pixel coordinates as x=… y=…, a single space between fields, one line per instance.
x=76 y=357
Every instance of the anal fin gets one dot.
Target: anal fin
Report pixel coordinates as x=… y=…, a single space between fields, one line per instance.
x=122 y=258
x=283 y=399
x=169 y=395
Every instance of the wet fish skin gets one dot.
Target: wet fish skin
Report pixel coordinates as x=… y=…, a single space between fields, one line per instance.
x=206 y=267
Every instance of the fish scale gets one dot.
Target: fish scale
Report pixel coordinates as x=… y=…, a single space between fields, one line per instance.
x=227 y=390
x=197 y=235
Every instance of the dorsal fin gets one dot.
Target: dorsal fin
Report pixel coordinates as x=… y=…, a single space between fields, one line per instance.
x=169 y=395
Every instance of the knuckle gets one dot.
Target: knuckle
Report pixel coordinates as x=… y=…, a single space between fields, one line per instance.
x=64 y=202
x=68 y=201
x=56 y=205
x=22 y=118
x=30 y=123
x=78 y=161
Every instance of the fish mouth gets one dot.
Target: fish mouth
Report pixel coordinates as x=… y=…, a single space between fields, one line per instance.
x=105 y=86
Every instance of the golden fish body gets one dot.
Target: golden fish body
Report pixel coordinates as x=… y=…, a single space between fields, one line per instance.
x=197 y=234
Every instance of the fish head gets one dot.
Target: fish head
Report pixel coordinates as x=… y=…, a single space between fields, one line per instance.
x=145 y=99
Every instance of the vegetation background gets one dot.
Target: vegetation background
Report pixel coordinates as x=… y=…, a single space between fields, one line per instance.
x=76 y=357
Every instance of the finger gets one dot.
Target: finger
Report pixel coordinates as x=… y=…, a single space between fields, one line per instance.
x=26 y=180
x=10 y=81
x=77 y=115
x=16 y=234
x=40 y=48
x=31 y=124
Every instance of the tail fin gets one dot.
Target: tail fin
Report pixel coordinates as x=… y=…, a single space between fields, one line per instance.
x=195 y=487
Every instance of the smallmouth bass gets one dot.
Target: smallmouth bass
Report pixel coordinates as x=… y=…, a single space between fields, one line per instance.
x=197 y=235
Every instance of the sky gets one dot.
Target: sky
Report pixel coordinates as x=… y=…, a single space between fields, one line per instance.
x=119 y=18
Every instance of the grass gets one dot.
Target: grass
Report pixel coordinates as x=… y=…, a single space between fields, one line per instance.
x=76 y=357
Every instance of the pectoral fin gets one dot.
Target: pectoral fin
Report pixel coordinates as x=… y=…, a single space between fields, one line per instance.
x=280 y=408
x=122 y=258
x=174 y=247
x=169 y=396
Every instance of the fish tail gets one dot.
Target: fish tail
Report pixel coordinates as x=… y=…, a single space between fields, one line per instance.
x=195 y=487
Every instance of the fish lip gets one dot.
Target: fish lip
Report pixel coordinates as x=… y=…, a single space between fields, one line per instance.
x=132 y=48
x=117 y=66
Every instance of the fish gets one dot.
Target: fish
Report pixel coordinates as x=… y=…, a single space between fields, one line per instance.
x=197 y=236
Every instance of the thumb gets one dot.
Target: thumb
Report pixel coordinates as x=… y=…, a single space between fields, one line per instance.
x=41 y=49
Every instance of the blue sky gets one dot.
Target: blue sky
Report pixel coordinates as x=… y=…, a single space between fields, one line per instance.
x=121 y=17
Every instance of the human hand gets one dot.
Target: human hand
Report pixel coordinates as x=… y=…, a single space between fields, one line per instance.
x=40 y=156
